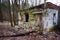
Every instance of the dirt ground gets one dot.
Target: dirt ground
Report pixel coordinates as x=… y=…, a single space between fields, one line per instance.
x=55 y=35
x=50 y=36
x=31 y=36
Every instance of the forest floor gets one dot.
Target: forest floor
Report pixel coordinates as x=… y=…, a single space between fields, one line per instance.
x=55 y=35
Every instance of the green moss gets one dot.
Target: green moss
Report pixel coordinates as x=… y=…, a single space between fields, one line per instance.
x=51 y=29
x=54 y=28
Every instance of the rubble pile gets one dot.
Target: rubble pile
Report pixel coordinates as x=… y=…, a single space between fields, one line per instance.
x=48 y=36
x=7 y=30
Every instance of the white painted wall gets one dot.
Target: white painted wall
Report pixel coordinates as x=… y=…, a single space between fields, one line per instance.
x=48 y=20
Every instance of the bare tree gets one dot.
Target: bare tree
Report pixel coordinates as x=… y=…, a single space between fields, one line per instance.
x=19 y=13
x=45 y=13
x=35 y=2
x=23 y=4
x=44 y=4
x=39 y=2
x=15 y=12
x=1 y=15
x=32 y=3
x=10 y=12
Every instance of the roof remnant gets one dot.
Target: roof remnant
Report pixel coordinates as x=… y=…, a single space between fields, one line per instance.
x=48 y=5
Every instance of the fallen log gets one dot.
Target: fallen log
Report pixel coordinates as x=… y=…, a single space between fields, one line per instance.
x=21 y=34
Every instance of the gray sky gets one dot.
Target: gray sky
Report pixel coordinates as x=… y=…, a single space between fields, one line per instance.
x=57 y=2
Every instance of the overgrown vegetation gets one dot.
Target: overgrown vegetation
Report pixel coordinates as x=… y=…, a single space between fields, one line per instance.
x=57 y=27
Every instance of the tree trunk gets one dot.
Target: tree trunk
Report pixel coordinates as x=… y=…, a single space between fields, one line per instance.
x=11 y=19
x=1 y=15
x=15 y=12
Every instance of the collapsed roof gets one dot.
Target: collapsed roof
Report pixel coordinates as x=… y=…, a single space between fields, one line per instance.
x=48 y=5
